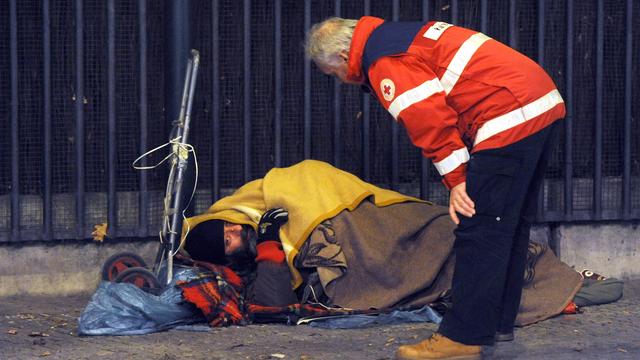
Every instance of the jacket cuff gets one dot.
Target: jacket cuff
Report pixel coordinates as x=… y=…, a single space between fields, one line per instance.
x=270 y=251
x=455 y=177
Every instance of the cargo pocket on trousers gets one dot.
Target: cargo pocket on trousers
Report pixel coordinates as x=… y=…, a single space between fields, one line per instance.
x=489 y=182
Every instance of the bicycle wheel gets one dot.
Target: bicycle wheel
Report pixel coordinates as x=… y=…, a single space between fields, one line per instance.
x=141 y=278
x=120 y=262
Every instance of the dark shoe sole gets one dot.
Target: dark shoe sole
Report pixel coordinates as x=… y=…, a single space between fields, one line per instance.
x=500 y=337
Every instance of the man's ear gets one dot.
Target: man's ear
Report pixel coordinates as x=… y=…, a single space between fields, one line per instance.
x=344 y=55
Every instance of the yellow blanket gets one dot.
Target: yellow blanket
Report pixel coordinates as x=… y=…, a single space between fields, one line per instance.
x=312 y=191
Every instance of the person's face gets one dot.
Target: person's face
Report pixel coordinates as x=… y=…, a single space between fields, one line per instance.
x=232 y=238
x=340 y=70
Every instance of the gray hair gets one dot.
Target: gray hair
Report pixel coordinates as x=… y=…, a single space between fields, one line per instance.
x=327 y=39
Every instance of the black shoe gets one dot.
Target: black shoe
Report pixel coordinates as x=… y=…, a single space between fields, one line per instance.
x=500 y=337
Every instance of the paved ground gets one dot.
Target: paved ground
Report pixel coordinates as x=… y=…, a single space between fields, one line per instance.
x=45 y=328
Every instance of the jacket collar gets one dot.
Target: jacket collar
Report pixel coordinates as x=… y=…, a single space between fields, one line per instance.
x=361 y=33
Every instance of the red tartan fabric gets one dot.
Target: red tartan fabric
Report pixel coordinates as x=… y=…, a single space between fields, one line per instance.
x=217 y=292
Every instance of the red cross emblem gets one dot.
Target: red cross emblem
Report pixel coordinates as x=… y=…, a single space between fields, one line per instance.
x=388 y=89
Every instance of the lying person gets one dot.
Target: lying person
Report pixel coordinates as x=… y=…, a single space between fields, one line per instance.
x=346 y=243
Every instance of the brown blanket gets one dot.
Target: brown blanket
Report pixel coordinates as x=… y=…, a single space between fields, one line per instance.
x=402 y=255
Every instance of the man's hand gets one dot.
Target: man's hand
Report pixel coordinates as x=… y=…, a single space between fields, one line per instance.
x=269 y=225
x=460 y=202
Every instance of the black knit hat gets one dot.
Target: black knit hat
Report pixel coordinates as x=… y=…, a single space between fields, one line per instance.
x=205 y=242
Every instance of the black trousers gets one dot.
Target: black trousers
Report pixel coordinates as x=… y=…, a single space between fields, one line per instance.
x=491 y=247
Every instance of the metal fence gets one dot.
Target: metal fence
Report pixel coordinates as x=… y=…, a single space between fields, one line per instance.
x=83 y=91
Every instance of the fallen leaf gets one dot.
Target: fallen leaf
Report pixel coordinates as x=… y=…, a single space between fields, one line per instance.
x=99 y=232
x=40 y=334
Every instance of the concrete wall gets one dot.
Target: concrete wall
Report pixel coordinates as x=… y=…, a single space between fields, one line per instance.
x=60 y=268
x=611 y=249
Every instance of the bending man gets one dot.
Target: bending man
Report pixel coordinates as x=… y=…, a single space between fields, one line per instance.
x=485 y=115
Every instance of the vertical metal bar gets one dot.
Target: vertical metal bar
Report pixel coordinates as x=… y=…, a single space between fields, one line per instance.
x=483 y=16
x=178 y=35
x=541 y=31
x=395 y=145
x=425 y=164
x=46 y=45
x=278 y=83
x=111 y=118
x=366 y=121
x=513 y=28
x=336 y=107
x=79 y=114
x=143 y=198
x=568 y=122
x=307 y=87
x=178 y=39
x=425 y=10
x=247 y=90
x=454 y=12
x=597 y=183
x=626 y=177
x=15 y=145
x=215 y=107
x=541 y=35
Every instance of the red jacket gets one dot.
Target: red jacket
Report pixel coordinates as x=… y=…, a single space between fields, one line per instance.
x=454 y=89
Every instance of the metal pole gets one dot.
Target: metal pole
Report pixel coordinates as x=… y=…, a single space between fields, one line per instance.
x=79 y=115
x=307 y=87
x=513 y=31
x=247 y=90
x=568 y=140
x=178 y=40
x=46 y=44
x=366 y=121
x=278 y=83
x=541 y=34
x=597 y=184
x=215 y=107
x=626 y=178
x=178 y=35
x=15 y=145
x=425 y=164
x=143 y=198
x=337 y=146
x=112 y=215
x=483 y=16
x=454 y=12
x=394 y=125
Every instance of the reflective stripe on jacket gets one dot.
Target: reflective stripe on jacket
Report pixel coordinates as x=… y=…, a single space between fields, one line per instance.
x=452 y=88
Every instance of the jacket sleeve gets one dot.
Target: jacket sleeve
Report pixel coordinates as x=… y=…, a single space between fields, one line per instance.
x=414 y=96
x=272 y=285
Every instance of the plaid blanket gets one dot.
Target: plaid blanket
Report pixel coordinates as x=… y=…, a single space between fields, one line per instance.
x=217 y=292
